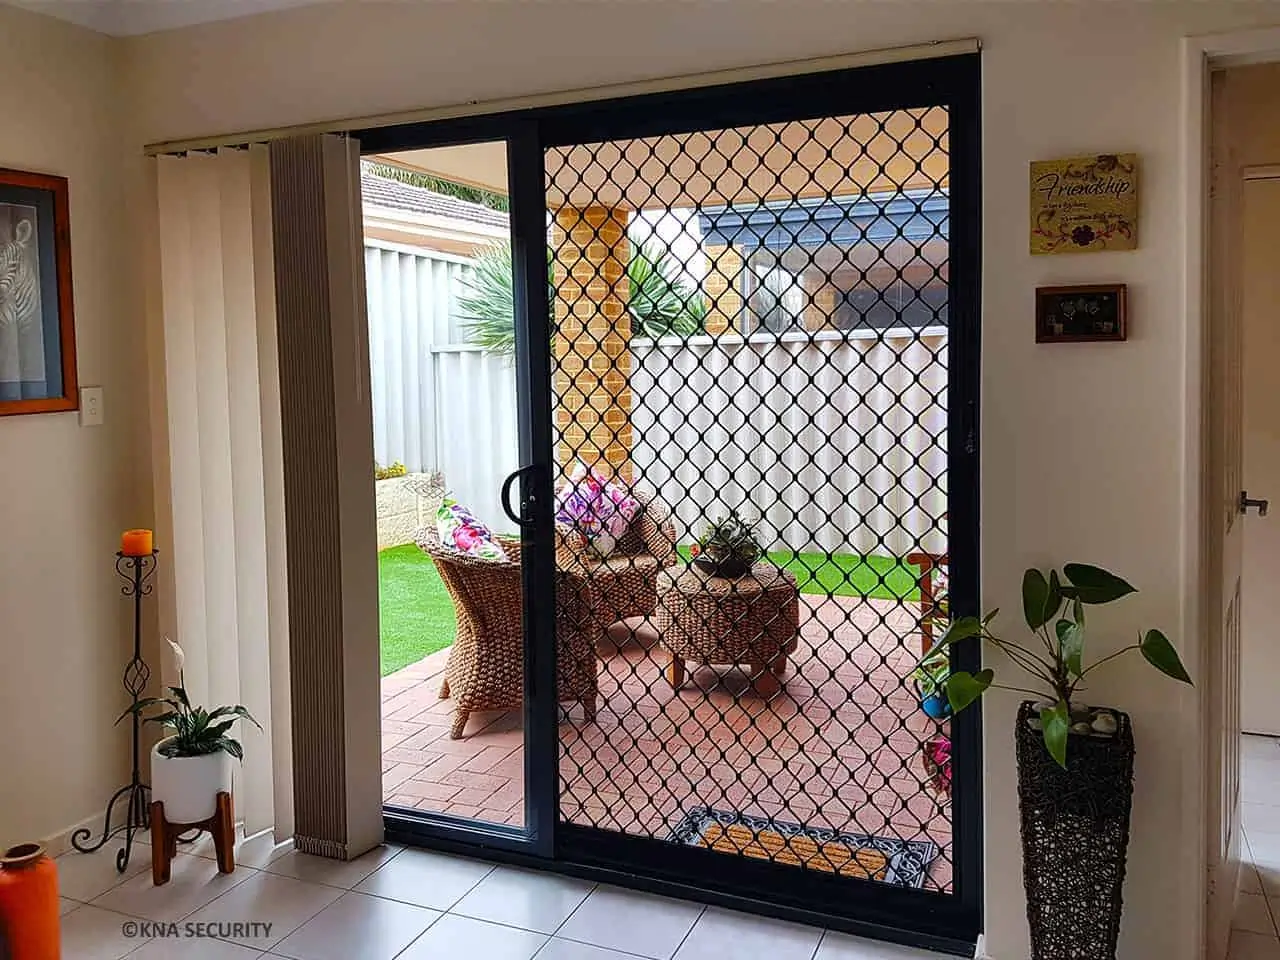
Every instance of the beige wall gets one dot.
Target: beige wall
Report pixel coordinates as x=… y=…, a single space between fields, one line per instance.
x=66 y=491
x=1082 y=444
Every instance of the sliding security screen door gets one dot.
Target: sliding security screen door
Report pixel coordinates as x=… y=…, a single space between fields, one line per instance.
x=748 y=362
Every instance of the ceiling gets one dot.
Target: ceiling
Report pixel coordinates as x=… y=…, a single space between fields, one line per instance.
x=123 y=18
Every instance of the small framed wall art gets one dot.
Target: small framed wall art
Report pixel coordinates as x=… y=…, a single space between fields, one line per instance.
x=1084 y=204
x=37 y=324
x=1081 y=314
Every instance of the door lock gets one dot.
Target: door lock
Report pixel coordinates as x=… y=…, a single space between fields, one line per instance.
x=1259 y=505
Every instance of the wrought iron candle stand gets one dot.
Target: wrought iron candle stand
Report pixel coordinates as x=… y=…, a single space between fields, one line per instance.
x=136 y=571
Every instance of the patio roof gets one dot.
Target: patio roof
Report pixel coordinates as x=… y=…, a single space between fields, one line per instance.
x=832 y=157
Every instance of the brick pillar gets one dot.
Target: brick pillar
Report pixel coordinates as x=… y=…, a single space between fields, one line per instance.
x=593 y=335
x=724 y=301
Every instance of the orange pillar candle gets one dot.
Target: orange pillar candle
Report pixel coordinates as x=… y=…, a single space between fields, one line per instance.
x=137 y=543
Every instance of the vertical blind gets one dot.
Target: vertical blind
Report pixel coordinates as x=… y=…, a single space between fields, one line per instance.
x=226 y=492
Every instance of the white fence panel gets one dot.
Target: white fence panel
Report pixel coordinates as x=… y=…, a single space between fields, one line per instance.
x=833 y=443
x=438 y=403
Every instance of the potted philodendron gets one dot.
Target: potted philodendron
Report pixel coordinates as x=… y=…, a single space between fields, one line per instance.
x=191 y=766
x=930 y=678
x=1075 y=762
x=727 y=548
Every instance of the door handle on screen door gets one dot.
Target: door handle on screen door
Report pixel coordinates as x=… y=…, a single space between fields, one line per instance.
x=523 y=519
x=1260 y=505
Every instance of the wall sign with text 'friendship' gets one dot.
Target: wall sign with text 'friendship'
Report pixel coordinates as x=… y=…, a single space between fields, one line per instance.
x=1084 y=204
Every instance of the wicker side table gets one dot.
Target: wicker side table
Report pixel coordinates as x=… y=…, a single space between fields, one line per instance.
x=753 y=620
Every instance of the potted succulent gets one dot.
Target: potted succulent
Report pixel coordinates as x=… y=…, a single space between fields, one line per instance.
x=1075 y=762
x=727 y=548
x=192 y=766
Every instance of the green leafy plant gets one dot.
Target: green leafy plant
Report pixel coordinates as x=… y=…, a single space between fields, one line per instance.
x=196 y=732
x=659 y=301
x=487 y=304
x=1054 y=609
x=396 y=469
x=728 y=538
x=932 y=671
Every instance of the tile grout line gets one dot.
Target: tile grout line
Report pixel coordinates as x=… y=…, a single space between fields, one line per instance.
x=696 y=920
x=434 y=920
x=292 y=930
x=574 y=911
x=594 y=946
x=440 y=913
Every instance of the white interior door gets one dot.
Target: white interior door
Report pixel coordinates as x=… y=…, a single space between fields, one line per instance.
x=1260 y=311
x=1223 y=532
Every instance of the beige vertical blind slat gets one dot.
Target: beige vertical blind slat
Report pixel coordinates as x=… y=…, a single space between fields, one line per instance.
x=187 y=549
x=223 y=414
x=277 y=574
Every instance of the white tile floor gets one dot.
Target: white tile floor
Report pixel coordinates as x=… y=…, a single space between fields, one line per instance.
x=415 y=905
x=410 y=905
x=1255 y=934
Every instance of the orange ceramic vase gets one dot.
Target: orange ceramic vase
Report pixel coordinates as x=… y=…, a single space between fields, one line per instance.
x=28 y=904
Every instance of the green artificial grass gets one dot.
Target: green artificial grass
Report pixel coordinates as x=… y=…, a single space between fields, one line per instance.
x=846 y=574
x=415 y=612
x=417 y=615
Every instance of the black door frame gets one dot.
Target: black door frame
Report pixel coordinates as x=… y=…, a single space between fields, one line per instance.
x=949 y=922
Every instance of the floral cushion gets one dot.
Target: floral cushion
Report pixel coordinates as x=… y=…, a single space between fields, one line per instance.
x=460 y=530
x=598 y=509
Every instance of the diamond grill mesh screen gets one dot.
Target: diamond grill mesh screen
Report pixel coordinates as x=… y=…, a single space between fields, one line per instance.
x=750 y=401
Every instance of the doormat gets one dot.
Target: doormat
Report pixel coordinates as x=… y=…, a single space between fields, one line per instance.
x=902 y=863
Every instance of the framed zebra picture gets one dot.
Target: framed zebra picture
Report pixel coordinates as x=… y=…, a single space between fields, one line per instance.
x=37 y=324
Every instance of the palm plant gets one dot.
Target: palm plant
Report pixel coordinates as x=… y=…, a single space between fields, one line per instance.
x=660 y=302
x=487 y=305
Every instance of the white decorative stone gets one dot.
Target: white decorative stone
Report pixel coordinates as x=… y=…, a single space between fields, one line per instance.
x=1081 y=727
x=1105 y=723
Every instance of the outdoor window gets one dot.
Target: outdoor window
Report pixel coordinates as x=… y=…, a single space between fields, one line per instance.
x=872 y=263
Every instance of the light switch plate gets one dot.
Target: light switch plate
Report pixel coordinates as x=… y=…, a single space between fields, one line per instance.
x=91 y=412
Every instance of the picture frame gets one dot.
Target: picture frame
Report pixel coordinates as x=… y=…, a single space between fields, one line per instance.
x=37 y=318
x=1085 y=313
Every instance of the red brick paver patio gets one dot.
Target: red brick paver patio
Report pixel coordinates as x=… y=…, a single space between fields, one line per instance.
x=838 y=748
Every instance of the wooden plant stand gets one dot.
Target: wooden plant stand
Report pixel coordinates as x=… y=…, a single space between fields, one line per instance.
x=164 y=837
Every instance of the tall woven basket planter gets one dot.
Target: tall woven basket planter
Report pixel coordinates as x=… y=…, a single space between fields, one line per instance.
x=1075 y=832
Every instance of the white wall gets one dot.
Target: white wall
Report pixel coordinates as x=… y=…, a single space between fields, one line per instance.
x=1082 y=444
x=67 y=492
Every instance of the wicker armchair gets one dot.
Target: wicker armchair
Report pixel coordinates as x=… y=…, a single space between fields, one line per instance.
x=485 y=670
x=626 y=581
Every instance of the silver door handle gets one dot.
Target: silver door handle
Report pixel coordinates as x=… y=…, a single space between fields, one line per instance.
x=1246 y=503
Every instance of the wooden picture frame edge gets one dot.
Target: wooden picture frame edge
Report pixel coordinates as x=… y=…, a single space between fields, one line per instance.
x=1121 y=290
x=70 y=399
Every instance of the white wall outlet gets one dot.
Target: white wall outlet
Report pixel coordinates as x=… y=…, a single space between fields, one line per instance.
x=91 y=407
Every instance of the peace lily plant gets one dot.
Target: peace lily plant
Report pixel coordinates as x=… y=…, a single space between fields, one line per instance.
x=197 y=732
x=1054 y=608
x=191 y=766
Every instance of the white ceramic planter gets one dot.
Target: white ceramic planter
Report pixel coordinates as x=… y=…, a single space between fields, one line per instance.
x=189 y=786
